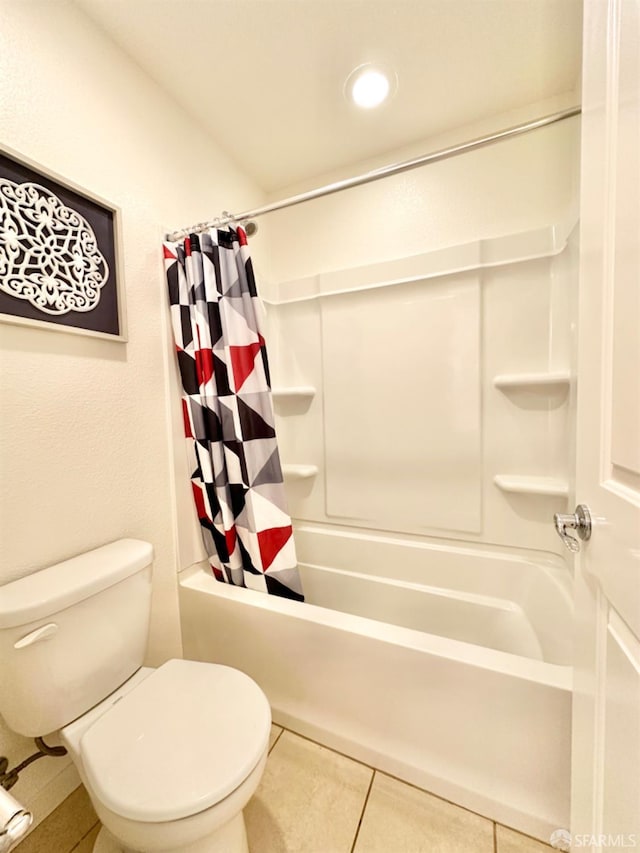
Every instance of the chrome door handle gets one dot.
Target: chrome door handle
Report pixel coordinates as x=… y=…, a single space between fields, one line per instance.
x=580 y=521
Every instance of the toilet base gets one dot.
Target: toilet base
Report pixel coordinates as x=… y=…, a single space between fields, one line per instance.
x=230 y=838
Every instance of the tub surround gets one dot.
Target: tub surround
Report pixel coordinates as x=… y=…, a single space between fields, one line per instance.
x=469 y=438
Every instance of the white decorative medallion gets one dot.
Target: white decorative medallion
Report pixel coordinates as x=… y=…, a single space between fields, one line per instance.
x=49 y=253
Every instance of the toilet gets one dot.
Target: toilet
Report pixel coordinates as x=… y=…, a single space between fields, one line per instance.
x=169 y=756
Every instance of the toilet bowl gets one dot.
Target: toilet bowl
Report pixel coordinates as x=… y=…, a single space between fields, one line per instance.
x=169 y=756
x=172 y=757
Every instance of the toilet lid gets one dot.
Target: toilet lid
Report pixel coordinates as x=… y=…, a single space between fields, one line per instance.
x=178 y=743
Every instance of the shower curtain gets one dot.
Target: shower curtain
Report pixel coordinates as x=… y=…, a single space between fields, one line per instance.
x=228 y=413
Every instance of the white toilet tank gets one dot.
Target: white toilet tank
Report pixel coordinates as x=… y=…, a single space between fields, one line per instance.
x=71 y=634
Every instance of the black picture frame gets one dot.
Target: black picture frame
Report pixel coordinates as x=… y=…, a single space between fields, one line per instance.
x=60 y=257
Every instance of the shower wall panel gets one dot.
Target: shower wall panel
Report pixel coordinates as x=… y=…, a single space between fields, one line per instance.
x=410 y=428
x=402 y=419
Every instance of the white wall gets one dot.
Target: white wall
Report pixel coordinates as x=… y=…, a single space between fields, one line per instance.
x=382 y=361
x=513 y=186
x=85 y=449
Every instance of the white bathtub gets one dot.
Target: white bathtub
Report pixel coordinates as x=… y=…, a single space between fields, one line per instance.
x=468 y=695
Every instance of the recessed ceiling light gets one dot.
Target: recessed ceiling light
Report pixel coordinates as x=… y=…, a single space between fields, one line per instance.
x=368 y=86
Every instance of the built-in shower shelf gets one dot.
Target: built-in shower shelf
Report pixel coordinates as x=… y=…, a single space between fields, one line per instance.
x=558 y=378
x=299 y=472
x=293 y=392
x=532 y=485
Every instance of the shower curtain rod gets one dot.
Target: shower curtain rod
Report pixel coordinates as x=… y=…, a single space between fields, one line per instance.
x=377 y=174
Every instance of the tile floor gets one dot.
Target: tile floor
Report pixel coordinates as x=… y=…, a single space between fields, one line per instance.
x=314 y=800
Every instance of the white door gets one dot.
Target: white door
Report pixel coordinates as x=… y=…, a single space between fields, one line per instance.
x=606 y=739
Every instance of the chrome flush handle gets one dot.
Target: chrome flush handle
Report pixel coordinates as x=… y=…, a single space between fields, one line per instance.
x=580 y=521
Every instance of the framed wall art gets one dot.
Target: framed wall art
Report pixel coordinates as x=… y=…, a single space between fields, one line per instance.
x=60 y=265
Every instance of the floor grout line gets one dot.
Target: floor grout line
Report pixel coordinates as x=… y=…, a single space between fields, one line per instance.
x=364 y=808
x=282 y=729
x=432 y=794
x=79 y=842
x=495 y=837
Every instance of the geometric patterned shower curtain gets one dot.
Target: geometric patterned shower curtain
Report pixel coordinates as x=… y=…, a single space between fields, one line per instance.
x=228 y=413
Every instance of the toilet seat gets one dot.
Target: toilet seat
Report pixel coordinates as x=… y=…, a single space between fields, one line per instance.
x=178 y=743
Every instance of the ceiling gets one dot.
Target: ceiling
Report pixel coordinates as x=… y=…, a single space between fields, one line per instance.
x=266 y=77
